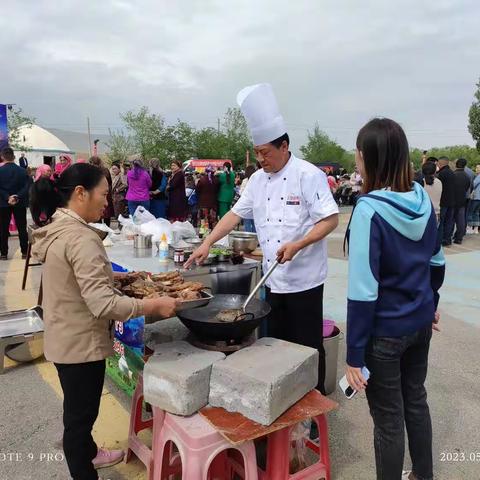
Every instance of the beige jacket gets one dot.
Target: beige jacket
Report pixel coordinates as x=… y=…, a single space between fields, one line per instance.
x=79 y=303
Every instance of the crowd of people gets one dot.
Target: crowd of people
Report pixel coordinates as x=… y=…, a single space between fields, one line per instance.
x=171 y=194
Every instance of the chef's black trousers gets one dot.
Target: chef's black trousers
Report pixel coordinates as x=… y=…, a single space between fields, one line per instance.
x=82 y=385
x=298 y=317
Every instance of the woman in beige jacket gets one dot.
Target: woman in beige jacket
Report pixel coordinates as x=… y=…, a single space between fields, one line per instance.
x=80 y=304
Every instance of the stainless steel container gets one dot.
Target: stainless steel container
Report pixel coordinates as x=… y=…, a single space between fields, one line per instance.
x=245 y=242
x=142 y=242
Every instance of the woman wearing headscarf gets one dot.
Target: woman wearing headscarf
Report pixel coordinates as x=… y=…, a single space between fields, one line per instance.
x=139 y=184
x=158 y=197
x=43 y=170
x=226 y=192
x=177 y=199
x=119 y=188
x=108 y=212
x=207 y=190
x=65 y=162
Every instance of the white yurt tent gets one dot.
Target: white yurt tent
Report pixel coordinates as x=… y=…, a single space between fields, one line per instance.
x=41 y=146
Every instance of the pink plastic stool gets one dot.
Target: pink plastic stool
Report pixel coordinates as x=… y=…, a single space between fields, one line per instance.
x=199 y=444
x=278 y=455
x=137 y=424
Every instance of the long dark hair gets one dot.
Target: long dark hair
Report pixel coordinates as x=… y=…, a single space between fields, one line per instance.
x=47 y=195
x=428 y=170
x=228 y=166
x=386 y=157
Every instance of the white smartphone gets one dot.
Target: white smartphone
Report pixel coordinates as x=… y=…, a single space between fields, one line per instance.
x=346 y=388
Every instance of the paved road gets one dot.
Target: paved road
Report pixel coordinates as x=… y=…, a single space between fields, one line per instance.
x=30 y=423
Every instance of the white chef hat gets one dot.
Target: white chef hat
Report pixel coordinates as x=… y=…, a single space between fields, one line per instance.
x=260 y=109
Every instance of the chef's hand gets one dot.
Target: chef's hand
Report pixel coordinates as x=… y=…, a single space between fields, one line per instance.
x=163 y=306
x=198 y=256
x=355 y=378
x=435 y=322
x=287 y=251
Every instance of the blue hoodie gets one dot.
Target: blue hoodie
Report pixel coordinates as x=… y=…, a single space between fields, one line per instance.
x=396 y=267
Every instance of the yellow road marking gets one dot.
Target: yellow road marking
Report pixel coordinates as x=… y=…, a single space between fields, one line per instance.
x=111 y=428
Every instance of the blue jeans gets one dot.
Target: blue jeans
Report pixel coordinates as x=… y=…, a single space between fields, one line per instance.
x=397 y=399
x=132 y=206
x=445 y=227
x=249 y=225
x=474 y=213
x=158 y=208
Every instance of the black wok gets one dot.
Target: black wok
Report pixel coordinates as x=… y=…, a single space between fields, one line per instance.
x=201 y=321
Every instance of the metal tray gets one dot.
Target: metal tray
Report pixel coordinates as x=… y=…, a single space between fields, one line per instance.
x=200 y=302
x=21 y=322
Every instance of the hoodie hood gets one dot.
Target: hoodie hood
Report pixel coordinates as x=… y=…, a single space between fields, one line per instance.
x=63 y=222
x=408 y=213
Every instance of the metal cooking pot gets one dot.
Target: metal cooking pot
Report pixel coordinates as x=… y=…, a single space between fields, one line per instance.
x=245 y=242
x=142 y=242
x=201 y=321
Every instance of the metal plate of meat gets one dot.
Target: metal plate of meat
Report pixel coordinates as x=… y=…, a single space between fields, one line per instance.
x=199 y=302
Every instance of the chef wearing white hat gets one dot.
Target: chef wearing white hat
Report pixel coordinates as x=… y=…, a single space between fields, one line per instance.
x=293 y=209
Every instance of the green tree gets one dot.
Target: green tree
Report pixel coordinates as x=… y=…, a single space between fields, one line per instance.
x=474 y=118
x=178 y=141
x=147 y=132
x=120 y=145
x=16 y=119
x=237 y=137
x=321 y=148
x=210 y=143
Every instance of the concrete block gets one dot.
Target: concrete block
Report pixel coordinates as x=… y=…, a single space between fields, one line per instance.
x=177 y=377
x=170 y=330
x=264 y=380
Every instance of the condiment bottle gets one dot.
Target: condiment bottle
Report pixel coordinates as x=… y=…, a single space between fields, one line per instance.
x=163 y=250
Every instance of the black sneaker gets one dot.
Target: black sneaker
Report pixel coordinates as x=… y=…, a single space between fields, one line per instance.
x=24 y=256
x=3 y=257
x=458 y=242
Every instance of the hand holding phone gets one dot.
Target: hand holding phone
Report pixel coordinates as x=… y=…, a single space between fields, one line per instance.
x=345 y=386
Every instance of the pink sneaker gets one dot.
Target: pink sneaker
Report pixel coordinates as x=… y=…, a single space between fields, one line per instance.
x=107 y=458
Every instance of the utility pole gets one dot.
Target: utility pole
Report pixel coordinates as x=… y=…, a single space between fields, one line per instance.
x=218 y=125
x=89 y=136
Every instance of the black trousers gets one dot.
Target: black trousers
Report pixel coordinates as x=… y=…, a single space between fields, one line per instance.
x=397 y=398
x=20 y=216
x=298 y=318
x=82 y=385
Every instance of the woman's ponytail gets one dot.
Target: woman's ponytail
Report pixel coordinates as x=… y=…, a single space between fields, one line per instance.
x=44 y=200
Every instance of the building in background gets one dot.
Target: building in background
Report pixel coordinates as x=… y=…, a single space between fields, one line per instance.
x=42 y=146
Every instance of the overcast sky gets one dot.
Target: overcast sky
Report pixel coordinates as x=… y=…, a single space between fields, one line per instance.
x=337 y=62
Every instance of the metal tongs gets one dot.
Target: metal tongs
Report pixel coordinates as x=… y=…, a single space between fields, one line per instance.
x=259 y=284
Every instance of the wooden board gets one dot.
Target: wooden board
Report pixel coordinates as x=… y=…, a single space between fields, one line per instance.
x=238 y=429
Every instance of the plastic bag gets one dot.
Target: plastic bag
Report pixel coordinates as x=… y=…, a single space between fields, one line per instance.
x=157 y=227
x=128 y=227
x=298 y=446
x=182 y=230
x=142 y=215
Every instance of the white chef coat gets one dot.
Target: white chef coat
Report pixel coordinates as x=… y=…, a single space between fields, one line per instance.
x=285 y=206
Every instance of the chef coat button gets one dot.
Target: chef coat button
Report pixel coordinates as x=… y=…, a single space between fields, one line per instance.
x=280 y=220
x=278 y=241
x=281 y=198
x=268 y=240
x=268 y=199
x=268 y=219
x=284 y=178
x=268 y=260
x=269 y=178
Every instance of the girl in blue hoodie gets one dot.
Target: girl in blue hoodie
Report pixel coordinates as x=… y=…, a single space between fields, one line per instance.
x=396 y=267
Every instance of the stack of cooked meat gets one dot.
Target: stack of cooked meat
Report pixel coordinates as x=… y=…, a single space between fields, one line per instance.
x=147 y=285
